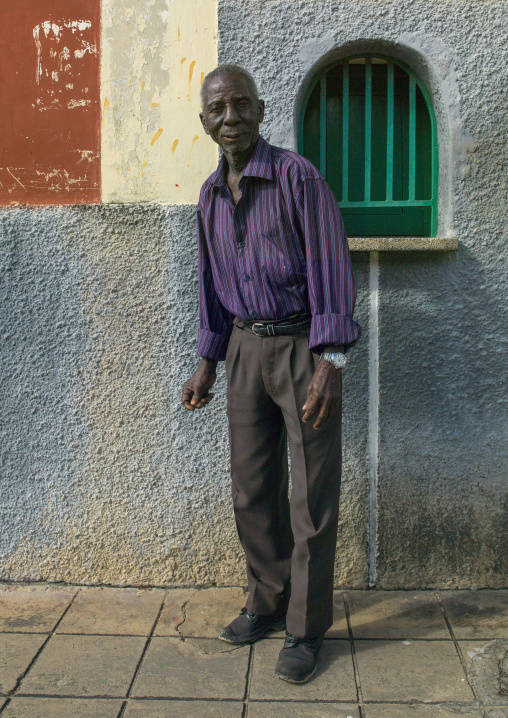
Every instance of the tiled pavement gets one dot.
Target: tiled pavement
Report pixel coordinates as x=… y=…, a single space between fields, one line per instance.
x=75 y=652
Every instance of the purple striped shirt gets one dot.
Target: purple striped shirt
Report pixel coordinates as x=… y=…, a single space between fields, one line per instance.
x=282 y=250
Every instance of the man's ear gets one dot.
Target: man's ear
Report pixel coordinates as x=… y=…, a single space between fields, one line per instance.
x=203 y=122
x=261 y=110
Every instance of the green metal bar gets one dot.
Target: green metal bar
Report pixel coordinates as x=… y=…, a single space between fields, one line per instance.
x=322 y=125
x=392 y=203
x=345 y=131
x=435 y=170
x=389 y=133
x=412 y=137
x=368 y=128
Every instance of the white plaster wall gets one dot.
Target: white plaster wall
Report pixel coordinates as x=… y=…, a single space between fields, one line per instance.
x=154 y=57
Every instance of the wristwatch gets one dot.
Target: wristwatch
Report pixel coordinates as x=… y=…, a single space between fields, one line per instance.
x=338 y=359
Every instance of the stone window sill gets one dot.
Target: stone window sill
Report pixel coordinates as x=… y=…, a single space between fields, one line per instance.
x=402 y=244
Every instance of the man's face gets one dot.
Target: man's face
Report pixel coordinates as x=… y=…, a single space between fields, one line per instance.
x=231 y=114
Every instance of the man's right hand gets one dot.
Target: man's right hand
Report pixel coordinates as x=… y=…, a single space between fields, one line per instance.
x=196 y=390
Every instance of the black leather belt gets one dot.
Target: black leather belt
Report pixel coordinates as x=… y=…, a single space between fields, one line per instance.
x=291 y=325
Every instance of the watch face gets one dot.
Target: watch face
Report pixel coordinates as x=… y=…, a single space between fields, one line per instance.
x=338 y=361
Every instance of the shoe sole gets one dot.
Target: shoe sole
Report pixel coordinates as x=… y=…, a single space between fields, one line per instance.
x=276 y=626
x=294 y=680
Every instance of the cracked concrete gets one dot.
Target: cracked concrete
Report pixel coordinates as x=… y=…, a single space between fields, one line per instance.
x=183 y=609
x=486 y=663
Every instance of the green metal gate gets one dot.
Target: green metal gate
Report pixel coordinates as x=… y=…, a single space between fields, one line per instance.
x=368 y=124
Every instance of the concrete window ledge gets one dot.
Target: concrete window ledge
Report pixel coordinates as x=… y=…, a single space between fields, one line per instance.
x=401 y=244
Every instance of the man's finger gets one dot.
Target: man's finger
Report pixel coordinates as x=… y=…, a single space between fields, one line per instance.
x=186 y=397
x=323 y=415
x=205 y=399
x=198 y=395
x=311 y=406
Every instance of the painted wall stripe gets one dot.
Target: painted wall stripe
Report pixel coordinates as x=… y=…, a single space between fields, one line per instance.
x=373 y=446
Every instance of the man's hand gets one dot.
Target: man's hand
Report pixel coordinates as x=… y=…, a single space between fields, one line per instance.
x=196 y=390
x=324 y=394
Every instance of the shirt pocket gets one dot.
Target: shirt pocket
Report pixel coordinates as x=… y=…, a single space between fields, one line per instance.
x=283 y=260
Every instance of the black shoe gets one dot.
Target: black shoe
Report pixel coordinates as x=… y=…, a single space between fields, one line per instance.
x=298 y=659
x=248 y=627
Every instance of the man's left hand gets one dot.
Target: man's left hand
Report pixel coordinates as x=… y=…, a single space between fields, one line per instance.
x=324 y=394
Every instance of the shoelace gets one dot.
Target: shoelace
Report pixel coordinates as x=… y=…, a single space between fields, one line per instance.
x=293 y=640
x=251 y=616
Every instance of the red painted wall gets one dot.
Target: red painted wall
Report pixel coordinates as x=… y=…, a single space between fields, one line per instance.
x=50 y=102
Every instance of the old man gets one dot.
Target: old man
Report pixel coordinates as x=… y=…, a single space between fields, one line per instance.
x=276 y=294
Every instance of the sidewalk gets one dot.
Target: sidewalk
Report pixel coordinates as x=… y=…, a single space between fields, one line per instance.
x=75 y=652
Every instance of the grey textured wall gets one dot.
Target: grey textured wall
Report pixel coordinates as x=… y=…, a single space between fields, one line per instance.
x=105 y=477
x=442 y=501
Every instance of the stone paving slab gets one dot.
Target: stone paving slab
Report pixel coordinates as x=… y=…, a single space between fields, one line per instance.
x=427 y=671
x=477 y=614
x=32 y=609
x=85 y=666
x=295 y=709
x=127 y=611
x=16 y=653
x=495 y=712
x=62 y=708
x=173 y=612
x=211 y=645
x=339 y=627
x=333 y=681
x=396 y=614
x=173 y=668
x=183 y=709
x=418 y=711
x=483 y=660
x=210 y=609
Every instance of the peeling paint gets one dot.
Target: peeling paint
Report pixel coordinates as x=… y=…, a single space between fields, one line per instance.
x=177 y=47
x=51 y=89
x=52 y=61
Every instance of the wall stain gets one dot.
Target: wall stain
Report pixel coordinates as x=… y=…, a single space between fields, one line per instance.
x=156 y=136
x=191 y=72
x=195 y=138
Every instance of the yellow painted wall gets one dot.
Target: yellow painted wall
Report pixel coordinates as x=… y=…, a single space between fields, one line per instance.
x=154 y=57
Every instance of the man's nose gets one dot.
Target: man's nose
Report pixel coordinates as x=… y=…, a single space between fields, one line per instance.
x=231 y=115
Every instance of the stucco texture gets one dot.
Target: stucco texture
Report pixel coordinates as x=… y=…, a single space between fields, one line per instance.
x=443 y=443
x=106 y=478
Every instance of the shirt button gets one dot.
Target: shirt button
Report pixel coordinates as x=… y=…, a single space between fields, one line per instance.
x=254 y=315
x=246 y=277
x=241 y=244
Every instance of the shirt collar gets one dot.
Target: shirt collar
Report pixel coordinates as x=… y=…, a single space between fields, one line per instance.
x=259 y=164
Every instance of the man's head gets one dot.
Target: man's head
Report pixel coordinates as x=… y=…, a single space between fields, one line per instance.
x=231 y=109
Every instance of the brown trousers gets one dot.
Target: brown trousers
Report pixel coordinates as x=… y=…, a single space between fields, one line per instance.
x=289 y=544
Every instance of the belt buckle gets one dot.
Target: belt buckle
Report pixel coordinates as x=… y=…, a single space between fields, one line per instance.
x=256 y=332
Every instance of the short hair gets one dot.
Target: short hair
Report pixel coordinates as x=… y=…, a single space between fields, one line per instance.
x=229 y=69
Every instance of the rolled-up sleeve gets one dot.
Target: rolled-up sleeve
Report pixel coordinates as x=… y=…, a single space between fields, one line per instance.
x=331 y=283
x=216 y=322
